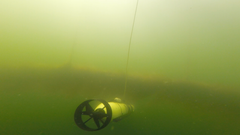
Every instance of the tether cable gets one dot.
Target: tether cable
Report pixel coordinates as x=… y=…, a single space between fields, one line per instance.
x=129 y=46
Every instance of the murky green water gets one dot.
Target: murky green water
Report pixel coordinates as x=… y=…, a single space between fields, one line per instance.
x=183 y=67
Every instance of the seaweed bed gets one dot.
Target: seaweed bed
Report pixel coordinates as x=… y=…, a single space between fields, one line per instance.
x=214 y=108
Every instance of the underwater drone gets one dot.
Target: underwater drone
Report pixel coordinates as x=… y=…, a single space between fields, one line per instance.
x=95 y=114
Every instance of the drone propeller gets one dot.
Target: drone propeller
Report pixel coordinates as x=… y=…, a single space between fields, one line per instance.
x=101 y=116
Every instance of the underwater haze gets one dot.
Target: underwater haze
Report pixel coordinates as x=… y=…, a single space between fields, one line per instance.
x=183 y=69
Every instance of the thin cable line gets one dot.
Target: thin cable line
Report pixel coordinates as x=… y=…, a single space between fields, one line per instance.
x=130 y=41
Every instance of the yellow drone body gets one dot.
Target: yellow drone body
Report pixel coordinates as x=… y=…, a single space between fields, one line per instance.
x=119 y=109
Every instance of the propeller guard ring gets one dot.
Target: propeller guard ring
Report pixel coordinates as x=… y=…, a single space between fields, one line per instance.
x=96 y=115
